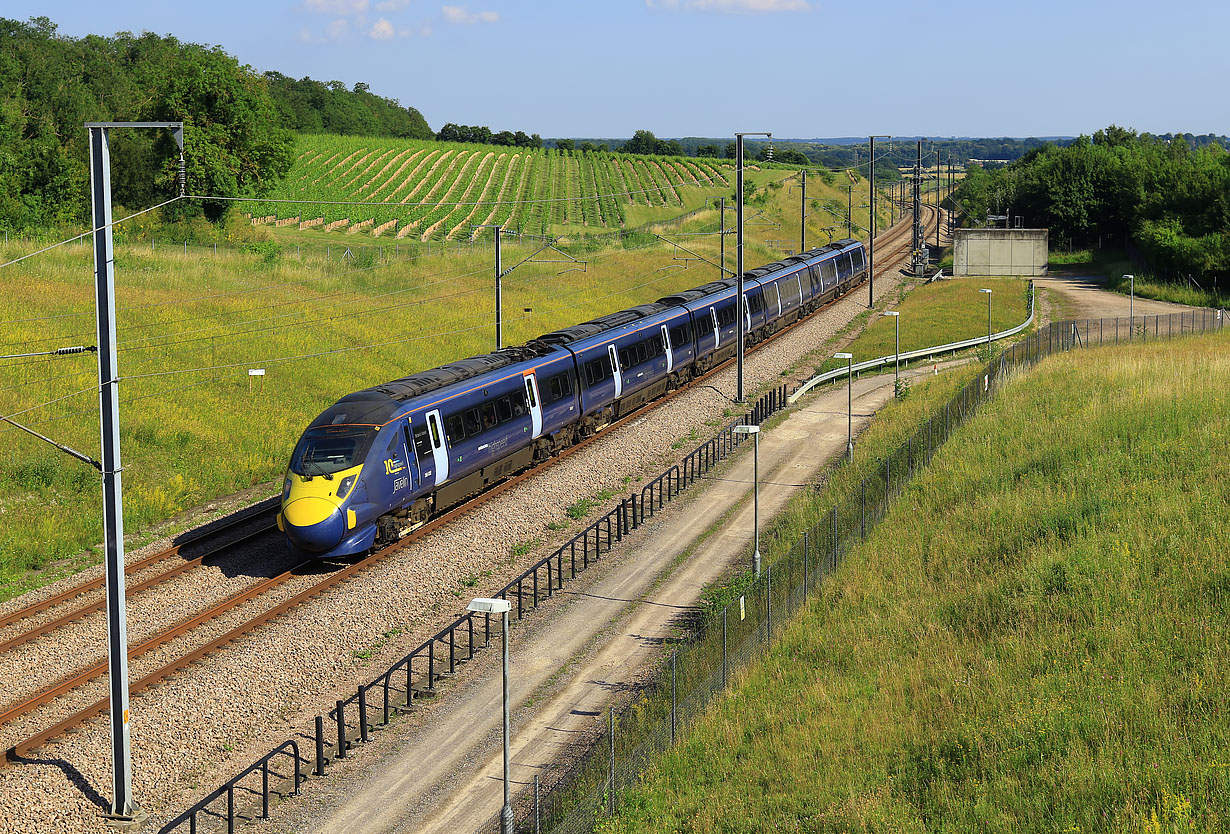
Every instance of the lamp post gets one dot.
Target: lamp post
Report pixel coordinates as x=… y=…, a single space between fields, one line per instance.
x=754 y=431
x=988 y=292
x=484 y=605
x=739 y=252
x=1131 y=297
x=897 y=347
x=871 y=241
x=849 y=357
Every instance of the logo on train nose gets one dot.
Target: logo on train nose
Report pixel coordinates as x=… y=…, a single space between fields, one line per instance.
x=392 y=467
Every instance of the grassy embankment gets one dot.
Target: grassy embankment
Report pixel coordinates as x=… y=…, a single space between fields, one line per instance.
x=193 y=437
x=1032 y=640
x=1114 y=264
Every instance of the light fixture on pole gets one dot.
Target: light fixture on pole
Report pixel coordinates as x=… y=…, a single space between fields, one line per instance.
x=754 y=431
x=741 y=303
x=871 y=241
x=1131 y=297
x=483 y=605
x=988 y=292
x=849 y=357
x=897 y=348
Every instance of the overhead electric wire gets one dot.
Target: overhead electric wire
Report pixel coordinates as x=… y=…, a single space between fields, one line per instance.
x=91 y=231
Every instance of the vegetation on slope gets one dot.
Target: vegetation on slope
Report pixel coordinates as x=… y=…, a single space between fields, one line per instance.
x=1170 y=200
x=1032 y=640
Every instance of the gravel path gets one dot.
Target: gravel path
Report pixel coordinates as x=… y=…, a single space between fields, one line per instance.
x=190 y=733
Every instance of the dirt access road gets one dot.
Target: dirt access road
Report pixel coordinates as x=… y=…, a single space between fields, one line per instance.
x=1084 y=297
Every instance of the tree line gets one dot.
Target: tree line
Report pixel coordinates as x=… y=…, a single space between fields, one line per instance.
x=481 y=135
x=1168 y=196
x=238 y=125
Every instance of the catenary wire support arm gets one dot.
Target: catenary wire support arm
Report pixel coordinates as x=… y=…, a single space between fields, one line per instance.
x=84 y=458
x=66 y=351
x=695 y=256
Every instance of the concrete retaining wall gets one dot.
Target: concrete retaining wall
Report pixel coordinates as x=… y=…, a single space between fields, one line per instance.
x=1001 y=252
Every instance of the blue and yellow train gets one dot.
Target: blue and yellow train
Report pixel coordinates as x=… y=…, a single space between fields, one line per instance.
x=382 y=461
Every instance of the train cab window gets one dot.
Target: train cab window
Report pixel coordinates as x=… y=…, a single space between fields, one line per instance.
x=503 y=408
x=489 y=418
x=421 y=444
x=471 y=421
x=454 y=429
x=394 y=448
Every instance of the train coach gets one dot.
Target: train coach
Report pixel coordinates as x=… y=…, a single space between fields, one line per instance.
x=384 y=460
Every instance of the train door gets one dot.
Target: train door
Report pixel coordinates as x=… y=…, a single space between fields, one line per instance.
x=435 y=437
x=666 y=346
x=534 y=402
x=799 y=277
x=411 y=456
x=615 y=371
x=717 y=331
x=778 y=288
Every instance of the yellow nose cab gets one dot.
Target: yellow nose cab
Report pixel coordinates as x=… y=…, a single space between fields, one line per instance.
x=320 y=481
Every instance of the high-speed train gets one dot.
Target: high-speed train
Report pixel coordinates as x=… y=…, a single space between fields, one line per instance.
x=384 y=460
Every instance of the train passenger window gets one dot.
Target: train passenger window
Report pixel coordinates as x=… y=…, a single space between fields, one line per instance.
x=756 y=302
x=597 y=370
x=489 y=418
x=472 y=422
x=681 y=335
x=518 y=403
x=626 y=359
x=421 y=445
x=503 y=408
x=453 y=428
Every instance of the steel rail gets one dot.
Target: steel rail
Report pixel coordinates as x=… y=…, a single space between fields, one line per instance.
x=138 y=565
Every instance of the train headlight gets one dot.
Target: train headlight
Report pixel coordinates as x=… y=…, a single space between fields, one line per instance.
x=343 y=489
x=286 y=488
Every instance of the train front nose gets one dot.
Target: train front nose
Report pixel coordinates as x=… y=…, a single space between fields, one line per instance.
x=313 y=524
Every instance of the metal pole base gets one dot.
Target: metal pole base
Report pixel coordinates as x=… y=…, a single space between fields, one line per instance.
x=132 y=822
x=849 y=453
x=506 y=820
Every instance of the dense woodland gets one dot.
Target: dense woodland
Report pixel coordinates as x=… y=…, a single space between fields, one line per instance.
x=238 y=125
x=1167 y=197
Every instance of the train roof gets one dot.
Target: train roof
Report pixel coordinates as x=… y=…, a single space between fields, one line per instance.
x=568 y=335
x=378 y=404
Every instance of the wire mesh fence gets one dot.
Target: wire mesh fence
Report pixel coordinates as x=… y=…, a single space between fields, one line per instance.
x=587 y=785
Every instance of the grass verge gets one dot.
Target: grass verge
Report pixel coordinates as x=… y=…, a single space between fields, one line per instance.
x=1032 y=640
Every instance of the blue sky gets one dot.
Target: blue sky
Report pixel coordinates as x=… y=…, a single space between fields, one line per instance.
x=798 y=68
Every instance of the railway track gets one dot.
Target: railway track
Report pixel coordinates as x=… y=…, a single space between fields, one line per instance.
x=891 y=241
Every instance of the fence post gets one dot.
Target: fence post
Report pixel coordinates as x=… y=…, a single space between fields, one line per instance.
x=341 y=730
x=724 y=611
x=363 y=714
x=768 y=601
x=674 y=699
x=537 y=807
x=320 y=745
x=610 y=796
x=805 y=532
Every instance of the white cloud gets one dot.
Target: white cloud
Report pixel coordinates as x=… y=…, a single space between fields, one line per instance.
x=391 y=5
x=336 y=7
x=338 y=29
x=456 y=14
x=381 y=31
x=730 y=6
